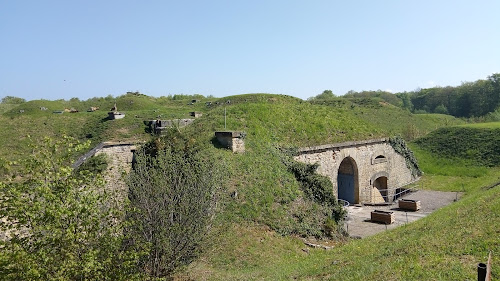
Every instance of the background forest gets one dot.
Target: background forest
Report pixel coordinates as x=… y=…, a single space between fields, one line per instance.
x=469 y=100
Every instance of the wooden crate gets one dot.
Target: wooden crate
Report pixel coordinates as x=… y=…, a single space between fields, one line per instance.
x=412 y=205
x=383 y=216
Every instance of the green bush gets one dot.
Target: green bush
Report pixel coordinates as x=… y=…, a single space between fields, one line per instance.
x=173 y=192
x=95 y=165
x=317 y=189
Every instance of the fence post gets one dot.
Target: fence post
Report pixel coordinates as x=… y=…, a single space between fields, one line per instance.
x=481 y=272
x=484 y=270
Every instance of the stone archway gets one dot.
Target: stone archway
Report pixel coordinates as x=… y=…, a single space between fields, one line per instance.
x=347 y=181
x=379 y=190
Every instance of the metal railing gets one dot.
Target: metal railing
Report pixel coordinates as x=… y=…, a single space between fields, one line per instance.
x=391 y=194
x=343 y=202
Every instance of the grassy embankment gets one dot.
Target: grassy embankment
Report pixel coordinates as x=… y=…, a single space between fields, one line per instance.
x=268 y=193
x=93 y=126
x=446 y=245
x=251 y=248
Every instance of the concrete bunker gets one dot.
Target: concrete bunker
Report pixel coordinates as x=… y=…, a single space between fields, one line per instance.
x=234 y=140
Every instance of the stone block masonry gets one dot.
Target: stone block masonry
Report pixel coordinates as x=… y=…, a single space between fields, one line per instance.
x=120 y=157
x=367 y=171
x=233 y=140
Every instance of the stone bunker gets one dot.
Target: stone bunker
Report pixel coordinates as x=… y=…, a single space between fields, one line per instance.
x=234 y=140
x=362 y=172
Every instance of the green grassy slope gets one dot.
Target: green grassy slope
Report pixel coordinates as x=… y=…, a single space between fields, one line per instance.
x=268 y=192
x=446 y=245
x=477 y=146
x=269 y=198
x=489 y=125
x=94 y=126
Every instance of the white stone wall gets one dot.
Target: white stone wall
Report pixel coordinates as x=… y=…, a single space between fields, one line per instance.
x=368 y=169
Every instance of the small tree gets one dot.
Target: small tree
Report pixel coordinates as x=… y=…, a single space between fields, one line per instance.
x=441 y=109
x=58 y=223
x=325 y=95
x=172 y=191
x=12 y=100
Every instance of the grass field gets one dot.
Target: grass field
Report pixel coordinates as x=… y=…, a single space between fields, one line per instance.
x=255 y=242
x=489 y=125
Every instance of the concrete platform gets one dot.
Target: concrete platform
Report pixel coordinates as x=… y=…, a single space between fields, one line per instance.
x=359 y=224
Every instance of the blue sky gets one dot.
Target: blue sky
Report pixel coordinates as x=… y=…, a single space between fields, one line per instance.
x=64 y=49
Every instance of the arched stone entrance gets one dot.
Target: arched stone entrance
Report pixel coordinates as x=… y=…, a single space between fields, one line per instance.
x=379 y=190
x=347 y=181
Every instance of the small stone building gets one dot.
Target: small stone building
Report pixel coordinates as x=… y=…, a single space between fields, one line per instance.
x=233 y=140
x=368 y=171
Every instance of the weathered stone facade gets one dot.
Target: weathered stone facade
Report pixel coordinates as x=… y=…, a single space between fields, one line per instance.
x=375 y=168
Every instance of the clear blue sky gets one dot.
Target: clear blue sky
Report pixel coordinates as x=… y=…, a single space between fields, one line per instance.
x=75 y=48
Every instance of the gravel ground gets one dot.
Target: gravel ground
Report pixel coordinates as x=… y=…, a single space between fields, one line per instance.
x=358 y=223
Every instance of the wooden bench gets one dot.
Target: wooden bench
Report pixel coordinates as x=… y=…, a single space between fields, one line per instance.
x=412 y=205
x=383 y=217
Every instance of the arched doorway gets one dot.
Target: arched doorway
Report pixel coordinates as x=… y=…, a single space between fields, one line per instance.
x=347 y=181
x=379 y=190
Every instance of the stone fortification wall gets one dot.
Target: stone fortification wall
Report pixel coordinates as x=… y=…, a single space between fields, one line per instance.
x=371 y=160
x=120 y=157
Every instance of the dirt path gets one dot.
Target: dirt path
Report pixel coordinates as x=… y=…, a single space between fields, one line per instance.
x=358 y=222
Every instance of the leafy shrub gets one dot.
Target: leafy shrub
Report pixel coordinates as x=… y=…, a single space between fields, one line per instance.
x=317 y=188
x=400 y=147
x=12 y=100
x=172 y=192
x=62 y=225
x=95 y=165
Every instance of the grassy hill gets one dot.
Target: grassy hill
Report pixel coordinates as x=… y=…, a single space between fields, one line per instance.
x=259 y=240
x=478 y=145
x=446 y=245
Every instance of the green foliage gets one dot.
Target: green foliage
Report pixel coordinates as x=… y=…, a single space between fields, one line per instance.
x=406 y=100
x=173 y=193
x=471 y=99
x=95 y=165
x=315 y=186
x=434 y=164
x=401 y=148
x=325 y=95
x=478 y=146
x=12 y=100
x=380 y=95
x=441 y=109
x=319 y=190
x=60 y=225
x=186 y=97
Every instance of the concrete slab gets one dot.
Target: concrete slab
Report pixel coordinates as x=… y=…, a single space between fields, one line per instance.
x=358 y=223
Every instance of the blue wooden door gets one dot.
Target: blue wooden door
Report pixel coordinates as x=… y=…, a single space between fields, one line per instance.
x=346 y=187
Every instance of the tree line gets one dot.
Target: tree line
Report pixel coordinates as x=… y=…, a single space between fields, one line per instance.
x=470 y=99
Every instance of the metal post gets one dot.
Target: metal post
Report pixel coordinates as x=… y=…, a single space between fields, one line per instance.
x=224 y=118
x=481 y=272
